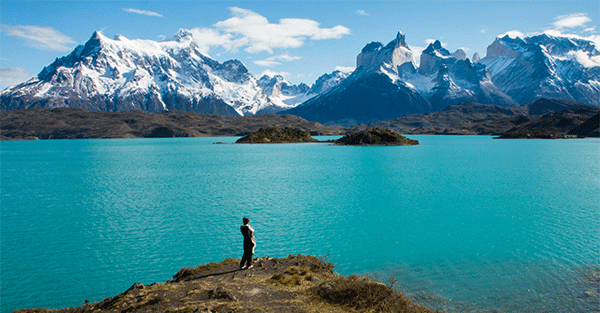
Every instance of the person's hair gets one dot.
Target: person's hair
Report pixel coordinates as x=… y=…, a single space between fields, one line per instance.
x=246 y=220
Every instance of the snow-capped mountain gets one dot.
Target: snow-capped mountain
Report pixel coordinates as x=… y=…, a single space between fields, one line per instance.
x=373 y=92
x=121 y=74
x=387 y=84
x=326 y=82
x=285 y=95
x=545 y=66
x=446 y=78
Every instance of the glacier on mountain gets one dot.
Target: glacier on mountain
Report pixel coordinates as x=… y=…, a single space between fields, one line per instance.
x=545 y=66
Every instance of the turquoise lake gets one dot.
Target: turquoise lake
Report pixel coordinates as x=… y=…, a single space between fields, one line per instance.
x=466 y=224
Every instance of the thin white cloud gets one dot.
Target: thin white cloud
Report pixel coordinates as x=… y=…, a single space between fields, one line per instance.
x=557 y=33
x=267 y=63
x=560 y=25
x=362 y=12
x=275 y=60
x=513 y=34
x=254 y=32
x=44 y=38
x=207 y=38
x=482 y=31
x=571 y=20
x=13 y=75
x=142 y=12
x=585 y=59
x=345 y=69
x=273 y=74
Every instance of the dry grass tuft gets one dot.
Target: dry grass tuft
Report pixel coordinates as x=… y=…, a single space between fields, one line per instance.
x=317 y=265
x=293 y=276
x=364 y=295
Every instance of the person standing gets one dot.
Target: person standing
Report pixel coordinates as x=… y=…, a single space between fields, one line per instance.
x=249 y=244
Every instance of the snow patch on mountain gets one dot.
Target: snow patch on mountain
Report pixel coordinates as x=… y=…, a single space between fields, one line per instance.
x=285 y=95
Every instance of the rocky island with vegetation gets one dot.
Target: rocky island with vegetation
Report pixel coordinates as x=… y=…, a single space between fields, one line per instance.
x=367 y=137
x=294 y=284
x=277 y=135
x=375 y=137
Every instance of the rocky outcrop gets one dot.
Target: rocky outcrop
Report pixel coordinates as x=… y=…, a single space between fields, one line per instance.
x=375 y=137
x=293 y=284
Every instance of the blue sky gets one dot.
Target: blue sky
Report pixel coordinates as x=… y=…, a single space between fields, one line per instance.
x=299 y=39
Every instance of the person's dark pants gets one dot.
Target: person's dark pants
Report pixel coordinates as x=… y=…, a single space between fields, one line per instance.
x=247 y=258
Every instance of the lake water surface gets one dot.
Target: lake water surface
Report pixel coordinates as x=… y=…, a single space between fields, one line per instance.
x=465 y=223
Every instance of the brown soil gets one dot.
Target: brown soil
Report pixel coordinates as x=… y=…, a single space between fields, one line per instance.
x=296 y=284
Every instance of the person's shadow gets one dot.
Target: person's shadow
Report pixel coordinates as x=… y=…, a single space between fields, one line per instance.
x=215 y=274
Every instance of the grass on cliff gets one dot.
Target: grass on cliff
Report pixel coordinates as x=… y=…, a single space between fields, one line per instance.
x=354 y=293
x=365 y=295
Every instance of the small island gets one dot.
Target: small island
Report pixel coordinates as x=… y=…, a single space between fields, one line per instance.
x=277 y=135
x=367 y=137
x=375 y=137
x=297 y=283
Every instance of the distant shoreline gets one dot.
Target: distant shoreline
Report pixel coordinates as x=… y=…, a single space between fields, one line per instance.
x=549 y=119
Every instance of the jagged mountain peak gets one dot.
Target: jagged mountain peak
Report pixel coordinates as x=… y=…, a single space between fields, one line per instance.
x=400 y=41
x=372 y=47
x=394 y=55
x=436 y=46
x=183 y=34
x=460 y=54
x=286 y=95
x=327 y=81
x=273 y=79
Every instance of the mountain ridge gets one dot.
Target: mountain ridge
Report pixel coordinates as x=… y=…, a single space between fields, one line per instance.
x=121 y=74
